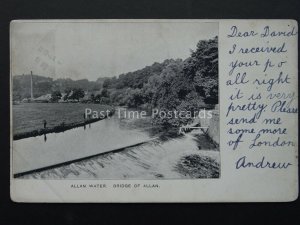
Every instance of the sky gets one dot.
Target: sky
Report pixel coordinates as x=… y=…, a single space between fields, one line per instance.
x=89 y=50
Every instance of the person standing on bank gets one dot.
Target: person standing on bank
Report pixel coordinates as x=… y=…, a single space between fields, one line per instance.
x=45 y=124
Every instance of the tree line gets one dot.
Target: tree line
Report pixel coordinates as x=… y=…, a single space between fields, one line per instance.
x=174 y=85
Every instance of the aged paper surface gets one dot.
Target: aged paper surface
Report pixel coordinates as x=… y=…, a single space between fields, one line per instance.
x=154 y=110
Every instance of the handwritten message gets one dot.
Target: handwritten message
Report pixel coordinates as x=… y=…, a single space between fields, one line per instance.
x=261 y=109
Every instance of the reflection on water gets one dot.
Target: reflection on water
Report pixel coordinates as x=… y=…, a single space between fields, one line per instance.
x=104 y=136
x=84 y=126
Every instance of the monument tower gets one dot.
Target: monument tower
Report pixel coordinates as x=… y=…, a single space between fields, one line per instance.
x=31 y=86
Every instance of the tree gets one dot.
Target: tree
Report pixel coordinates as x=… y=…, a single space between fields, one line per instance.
x=106 y=83
x=104 y=93
x=105 y=100
x=55 y=96
x=97 y=98
x=77 y=94
x=187 y=86
x=92 y=97
x=17 y=90
x=202 y=69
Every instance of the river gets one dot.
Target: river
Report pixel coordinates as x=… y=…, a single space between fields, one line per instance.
x=144 y=152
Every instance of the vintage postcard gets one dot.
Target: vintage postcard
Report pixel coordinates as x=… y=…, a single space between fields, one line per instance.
x=154 y=110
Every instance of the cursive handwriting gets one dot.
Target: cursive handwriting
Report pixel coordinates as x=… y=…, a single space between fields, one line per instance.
x=261 y=164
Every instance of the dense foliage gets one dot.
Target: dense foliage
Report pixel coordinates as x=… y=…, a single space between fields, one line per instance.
x=174 y=85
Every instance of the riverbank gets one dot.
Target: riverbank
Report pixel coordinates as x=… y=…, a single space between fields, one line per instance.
x=57 y=129
x=213 y=127
x=28 y=118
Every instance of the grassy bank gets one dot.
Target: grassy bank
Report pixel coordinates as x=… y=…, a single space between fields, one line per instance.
x=28 y=117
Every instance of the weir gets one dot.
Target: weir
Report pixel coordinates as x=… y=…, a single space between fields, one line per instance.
x=155 y=159
x=77 y=160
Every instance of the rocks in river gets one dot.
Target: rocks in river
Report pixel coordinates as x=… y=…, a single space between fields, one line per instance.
x=158 y=175
x=197 y=166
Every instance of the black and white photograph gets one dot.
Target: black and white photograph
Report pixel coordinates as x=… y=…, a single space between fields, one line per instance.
x=149 y=112
x=115 y=100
